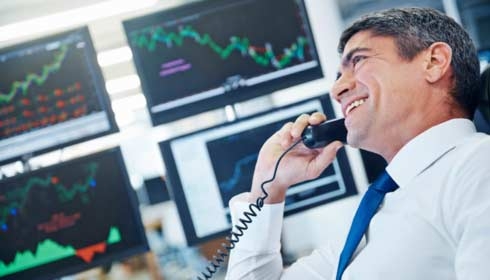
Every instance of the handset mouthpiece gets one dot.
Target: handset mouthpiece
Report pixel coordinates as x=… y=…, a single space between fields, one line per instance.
x=318 y=136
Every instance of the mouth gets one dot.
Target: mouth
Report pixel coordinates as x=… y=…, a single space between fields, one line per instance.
x=354 y=105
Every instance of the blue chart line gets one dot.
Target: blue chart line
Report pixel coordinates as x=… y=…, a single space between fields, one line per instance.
x=229 y=184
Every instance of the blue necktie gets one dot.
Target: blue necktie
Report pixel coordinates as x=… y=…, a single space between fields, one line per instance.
x=367 y=208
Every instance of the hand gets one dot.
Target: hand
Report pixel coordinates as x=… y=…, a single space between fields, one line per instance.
x=300 y=164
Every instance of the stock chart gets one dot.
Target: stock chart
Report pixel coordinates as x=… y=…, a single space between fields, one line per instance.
x=59 y=218
x=202 y=52
x=52 y=95
x=205 y=169
x=44 y=85
x=234 y=169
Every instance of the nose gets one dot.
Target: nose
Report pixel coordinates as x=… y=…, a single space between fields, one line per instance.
x=344 y=83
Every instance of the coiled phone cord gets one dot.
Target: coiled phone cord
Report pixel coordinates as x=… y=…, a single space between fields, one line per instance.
x=234 y=237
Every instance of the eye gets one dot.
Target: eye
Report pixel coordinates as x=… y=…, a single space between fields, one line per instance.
x=356 y=59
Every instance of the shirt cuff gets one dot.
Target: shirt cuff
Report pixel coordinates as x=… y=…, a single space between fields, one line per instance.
x=264 y=232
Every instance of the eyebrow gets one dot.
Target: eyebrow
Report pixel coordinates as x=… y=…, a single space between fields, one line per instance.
x=347 y=58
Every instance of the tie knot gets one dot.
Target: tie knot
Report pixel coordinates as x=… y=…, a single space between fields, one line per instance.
x=384 y=183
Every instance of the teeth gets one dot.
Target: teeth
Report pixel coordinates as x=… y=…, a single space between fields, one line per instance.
x=353 y=105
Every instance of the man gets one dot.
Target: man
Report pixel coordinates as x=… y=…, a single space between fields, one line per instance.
x=408 y=86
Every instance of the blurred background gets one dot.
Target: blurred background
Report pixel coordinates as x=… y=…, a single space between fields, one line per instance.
x=126 y=126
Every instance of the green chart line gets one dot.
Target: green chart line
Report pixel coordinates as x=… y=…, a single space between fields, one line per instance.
x=47 y=251
x=241 y=45
x=18 y=196
x=38 y=79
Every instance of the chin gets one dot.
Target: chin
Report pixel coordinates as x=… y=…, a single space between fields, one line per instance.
x=352 y=140
x=358 y=139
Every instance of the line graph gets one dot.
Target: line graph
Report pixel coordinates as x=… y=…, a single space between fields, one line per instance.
x=52 y=95
x=39 y=79
x=18 y=196
x=68 y=217
x=263 y=56
x=231 y=183
x=230 y=52
x=234 y=170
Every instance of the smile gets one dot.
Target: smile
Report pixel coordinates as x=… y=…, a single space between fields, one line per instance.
x=353 y=105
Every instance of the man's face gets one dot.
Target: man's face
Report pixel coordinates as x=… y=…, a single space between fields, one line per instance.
x=378 y=91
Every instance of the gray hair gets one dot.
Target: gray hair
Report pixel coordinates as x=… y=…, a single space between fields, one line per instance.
x=414 y=30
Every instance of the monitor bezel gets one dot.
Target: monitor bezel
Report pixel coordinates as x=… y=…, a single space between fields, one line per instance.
x=178 y=195
x=218 y=102
x=133 y=203
x=98 y=80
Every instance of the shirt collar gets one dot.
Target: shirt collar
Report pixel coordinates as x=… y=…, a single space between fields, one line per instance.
x=426 y=148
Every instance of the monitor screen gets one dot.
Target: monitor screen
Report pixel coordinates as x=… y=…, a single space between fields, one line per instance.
x=213 y=53
x=206 y=168
x=484 y=56
x=52 y=95
x=68 y=217
x=156 y=190
x=374 y=164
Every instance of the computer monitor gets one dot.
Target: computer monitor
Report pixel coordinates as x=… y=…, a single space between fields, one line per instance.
x=374 y=165
x=209 y=54
x=68 y=217
x=208 y=167
x=52 y=94
x=156 y=190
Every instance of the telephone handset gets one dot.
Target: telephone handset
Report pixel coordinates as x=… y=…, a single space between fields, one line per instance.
x=313 y=137
x=321 y=135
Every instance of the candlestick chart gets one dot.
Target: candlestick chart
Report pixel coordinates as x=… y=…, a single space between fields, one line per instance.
x=58 y=218
x=51 y=95
x=43 y=87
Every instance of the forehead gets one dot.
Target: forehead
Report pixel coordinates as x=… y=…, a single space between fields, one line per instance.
x=367 y=40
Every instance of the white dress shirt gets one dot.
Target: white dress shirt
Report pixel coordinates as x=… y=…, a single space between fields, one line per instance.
x=435 y=226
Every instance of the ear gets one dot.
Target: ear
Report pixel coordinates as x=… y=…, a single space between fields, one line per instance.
x=439 y=56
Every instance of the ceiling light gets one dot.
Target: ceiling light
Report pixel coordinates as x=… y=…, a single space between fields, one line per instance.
x=72 y=17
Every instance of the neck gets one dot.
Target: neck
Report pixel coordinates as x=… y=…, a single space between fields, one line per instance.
x=417 y=124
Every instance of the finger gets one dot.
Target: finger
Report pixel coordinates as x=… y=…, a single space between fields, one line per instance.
x=285 y=134
x=317 y=118
x=285 y=129
x=299 y=125
x=326 y=156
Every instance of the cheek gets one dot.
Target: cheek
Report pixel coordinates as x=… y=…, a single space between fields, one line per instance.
x=386 y=88
x=373 y=77
x=366 y=83
x=386 y=100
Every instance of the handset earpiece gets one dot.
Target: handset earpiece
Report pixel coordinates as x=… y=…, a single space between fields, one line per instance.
x=318 y=136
